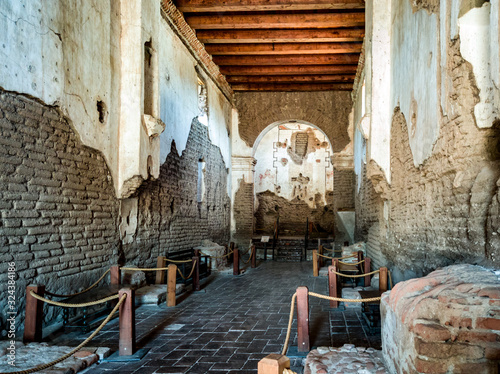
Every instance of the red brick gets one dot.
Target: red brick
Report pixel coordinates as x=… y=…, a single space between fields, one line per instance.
x=477 y=336
x=458 y=322
x=491 y=292
x=432 y=332
x=447 y=350
x=434 y=367
x=492 y=352
x=488 y=323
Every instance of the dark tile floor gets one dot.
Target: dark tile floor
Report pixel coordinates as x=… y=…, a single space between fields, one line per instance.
x=232 y=324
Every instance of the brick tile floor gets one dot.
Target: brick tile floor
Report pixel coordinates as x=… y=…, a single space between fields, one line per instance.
x=232 y=324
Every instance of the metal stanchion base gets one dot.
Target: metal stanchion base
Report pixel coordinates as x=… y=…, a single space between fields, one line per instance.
x=137 y=356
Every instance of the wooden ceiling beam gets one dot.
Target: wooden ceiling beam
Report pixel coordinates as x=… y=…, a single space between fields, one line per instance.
x=335 y=59
x=264 y=5
x=292 y=87
x=276 y=21
x=290 y=78
x=281 y=36
x=282 y=48
x=288 y=70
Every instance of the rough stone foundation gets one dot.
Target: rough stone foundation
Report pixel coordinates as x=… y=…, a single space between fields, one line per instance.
x=446 y=322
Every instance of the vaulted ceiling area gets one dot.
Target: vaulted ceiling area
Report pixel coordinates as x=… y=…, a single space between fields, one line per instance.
x=276 y=45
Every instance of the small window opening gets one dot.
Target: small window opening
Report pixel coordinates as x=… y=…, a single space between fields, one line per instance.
x=101 y=110
x=148 y=78
x=201 y=180
x=202 y=102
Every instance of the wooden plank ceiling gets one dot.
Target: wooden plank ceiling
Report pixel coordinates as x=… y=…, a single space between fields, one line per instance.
x=281 y=45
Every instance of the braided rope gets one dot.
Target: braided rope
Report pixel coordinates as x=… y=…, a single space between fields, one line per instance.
x=350 y=256
x=79 y=293
x=74 y=350
x=357 y=275
x=66 y=305
x=320 y=296
x=191 y=273
x=227 y=254
x=177 y=261
x=290 y=321
x=320 y=255
x=351 y=263
x=249 y=258
x=145 y=269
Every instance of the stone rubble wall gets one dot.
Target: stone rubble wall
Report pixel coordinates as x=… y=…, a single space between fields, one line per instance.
x=60 y=219
x=446 y=322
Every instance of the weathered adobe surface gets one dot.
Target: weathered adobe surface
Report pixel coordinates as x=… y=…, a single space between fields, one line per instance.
x=58 y=207
x=446 y=210
x=329 y=111
x=243 y=212
x=170 y=218
x=59 y=214
x=446 y=322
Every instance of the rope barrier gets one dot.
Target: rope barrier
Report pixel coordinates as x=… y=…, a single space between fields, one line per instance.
x=66 y=305
x=145 y=269
x=290 y=321
x=357 y=275
x=74 y=350
x=351 y=263
x=249 y=258
x=227 y=254
x=191 y=273
x=79 y=293
x=320 y=255
x=343 y=258
x=177 y=261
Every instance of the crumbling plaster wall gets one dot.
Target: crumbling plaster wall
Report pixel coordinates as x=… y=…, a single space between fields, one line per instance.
x=329 y=111
x=441 y=205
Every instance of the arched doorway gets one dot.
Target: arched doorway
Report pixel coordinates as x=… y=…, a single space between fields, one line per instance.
x=293 y=179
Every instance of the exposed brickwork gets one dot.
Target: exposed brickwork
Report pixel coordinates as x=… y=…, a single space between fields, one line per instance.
x=443 y=323
x=445 y=210
x=169 y=216
x=329 y=111
x=243 y=212
x=58 y=208
x=343 y=189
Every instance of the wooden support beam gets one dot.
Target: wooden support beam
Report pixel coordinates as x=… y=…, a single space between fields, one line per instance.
x=281 y=36
x=160 y=274
x=33 y=315
x=292 y=87
x=321 y=259
x=276 y=21
x=334 y=59
x=253 y=261
x=383 y=279
x=236 y=262
x=282 y=48
x=303 y=340
x=273 y=364
x=191 y=6
x=288 y=70
x=367 y=264
x=315 y=263
x=115 y=275
x=332 y=286
x=171 y=284
x=127 y=323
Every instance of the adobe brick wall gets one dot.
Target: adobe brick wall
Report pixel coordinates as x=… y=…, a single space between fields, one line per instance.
x=447 y=209
x=343 y=189
x=58 y=208
x=327 y=110
x=59 y=214
x=446 y=322
x=243 y=206
x=169 y=216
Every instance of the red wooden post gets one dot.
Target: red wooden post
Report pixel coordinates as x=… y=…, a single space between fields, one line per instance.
x=368 y=264
x=127 y=323
x=196 y=272
x=315 y=263
x=253 y=253
x=383 y=279
x=320 y=258
x=160 y=274
x=33 y=315
x=303 y=341
x=273 y=364
x=236 y=262
x=332 y=285
x=171 y=284
x=115 y=278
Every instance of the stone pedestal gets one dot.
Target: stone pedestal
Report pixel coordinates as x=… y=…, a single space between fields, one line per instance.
x=446 y=322
x=215 y=250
